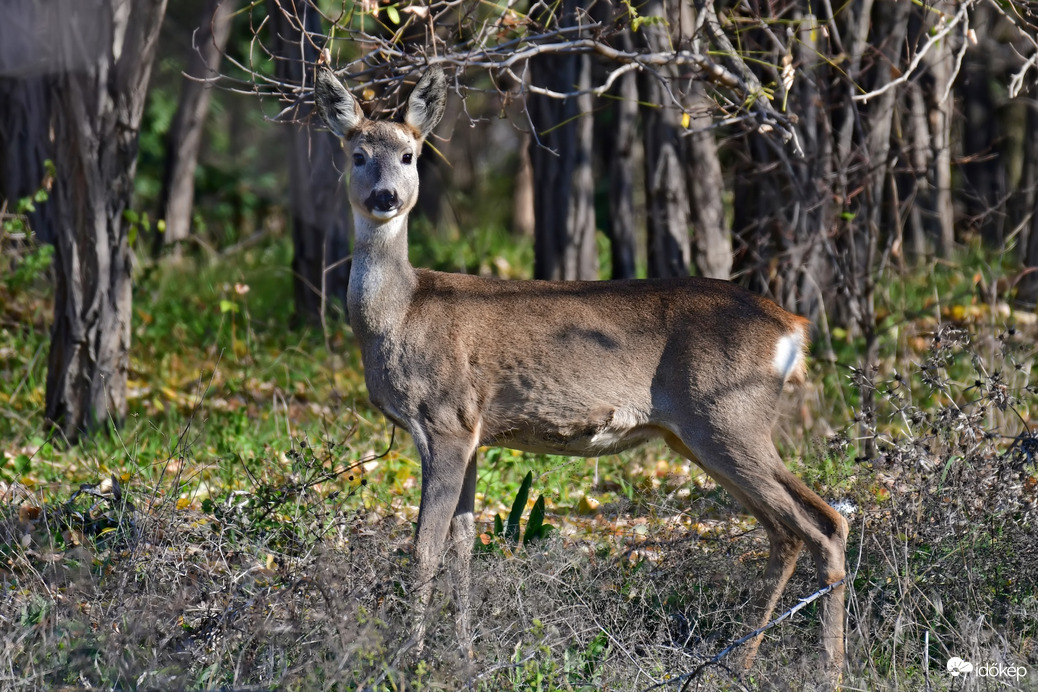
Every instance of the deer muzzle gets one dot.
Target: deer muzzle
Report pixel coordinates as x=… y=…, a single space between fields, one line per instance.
x=382 y=202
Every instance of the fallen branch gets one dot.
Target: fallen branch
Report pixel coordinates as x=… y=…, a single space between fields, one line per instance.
x=716 y=660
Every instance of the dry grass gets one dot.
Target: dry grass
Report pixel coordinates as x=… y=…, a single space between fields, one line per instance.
x=286 y=589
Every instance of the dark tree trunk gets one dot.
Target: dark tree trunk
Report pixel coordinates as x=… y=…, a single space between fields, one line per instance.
x=561 y=152
x=804 y=278
x=1028 y=291
x=24 y=146
x=890 y=24
x=106 y=48
x=176 y=200
x=865 y=139
x=666 y=187
x=25 y=141
x=926 y=119
x=983 y=181
x=321 y=224
x=619 y=141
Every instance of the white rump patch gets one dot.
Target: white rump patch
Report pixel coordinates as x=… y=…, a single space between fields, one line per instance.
x=788 y=352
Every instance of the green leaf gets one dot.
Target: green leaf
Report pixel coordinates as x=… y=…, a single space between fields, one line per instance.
x=535 y=524
x=131 y=216
x=393 y=14
x=22 y=464
x=499 y=525
x=512 y=527
x=947 y=468
x=228 y=306
x=652 y=20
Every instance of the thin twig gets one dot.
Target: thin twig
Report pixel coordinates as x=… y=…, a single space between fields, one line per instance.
x=914 y=65
x=716 y=660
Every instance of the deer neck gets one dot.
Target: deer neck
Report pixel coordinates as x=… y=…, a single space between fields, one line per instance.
x=382 y=280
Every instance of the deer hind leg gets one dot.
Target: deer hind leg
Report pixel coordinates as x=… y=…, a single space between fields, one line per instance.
x=785 y=546
x=752 y=471
x=463 y=536
x=445 y=466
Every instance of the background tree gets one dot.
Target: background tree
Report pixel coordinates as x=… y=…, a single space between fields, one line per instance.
x=321 y=224
x=176 y=200
x=668 y=210
x=25 y=141
x=103 y=52
x=561 y=153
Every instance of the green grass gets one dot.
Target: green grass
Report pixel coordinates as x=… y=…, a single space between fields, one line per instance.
x=219 y=386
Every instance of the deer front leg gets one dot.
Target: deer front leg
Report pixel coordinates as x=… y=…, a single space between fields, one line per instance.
x=463 y=535
x=445 y=461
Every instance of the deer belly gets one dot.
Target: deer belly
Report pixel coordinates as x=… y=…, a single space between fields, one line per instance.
x=605 y=430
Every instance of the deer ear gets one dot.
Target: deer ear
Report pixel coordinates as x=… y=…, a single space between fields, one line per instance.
x=425 y=106
x=338 y=107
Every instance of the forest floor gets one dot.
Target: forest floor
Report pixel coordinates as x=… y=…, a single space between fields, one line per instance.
x=250 y=524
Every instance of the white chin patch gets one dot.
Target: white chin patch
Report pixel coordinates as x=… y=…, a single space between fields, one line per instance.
x=788 y=351
x=384 y=215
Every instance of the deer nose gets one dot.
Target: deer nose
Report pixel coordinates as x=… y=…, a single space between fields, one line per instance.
x=383 y=201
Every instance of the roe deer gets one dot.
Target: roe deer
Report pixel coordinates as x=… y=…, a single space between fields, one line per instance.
x=574 y=368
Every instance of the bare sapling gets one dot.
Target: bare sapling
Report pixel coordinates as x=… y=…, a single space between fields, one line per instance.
x=572 y=368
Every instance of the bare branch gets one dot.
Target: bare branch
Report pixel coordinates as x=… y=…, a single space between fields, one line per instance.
x=934 y=39
x=500 y=42
x=716 y=660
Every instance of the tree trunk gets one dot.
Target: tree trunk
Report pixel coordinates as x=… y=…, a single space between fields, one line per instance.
x=176 y=200
x=754 y=209
x=561 y=151
x=941 y=114
x=888 y=26
x=712 y=240
x=1028 y=291
x=25 y=141
x=321 y=224
x=983 y=181
x=523 y=222
x=621 y=138
x=914 y=185
x=106 y=48
x=803 y=277
x=666 y=188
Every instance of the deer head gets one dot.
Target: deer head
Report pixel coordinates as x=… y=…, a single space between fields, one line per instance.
x=383 y=154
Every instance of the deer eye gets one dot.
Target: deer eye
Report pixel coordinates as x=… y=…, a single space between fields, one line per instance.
x=358 y=159
x=406 y=159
